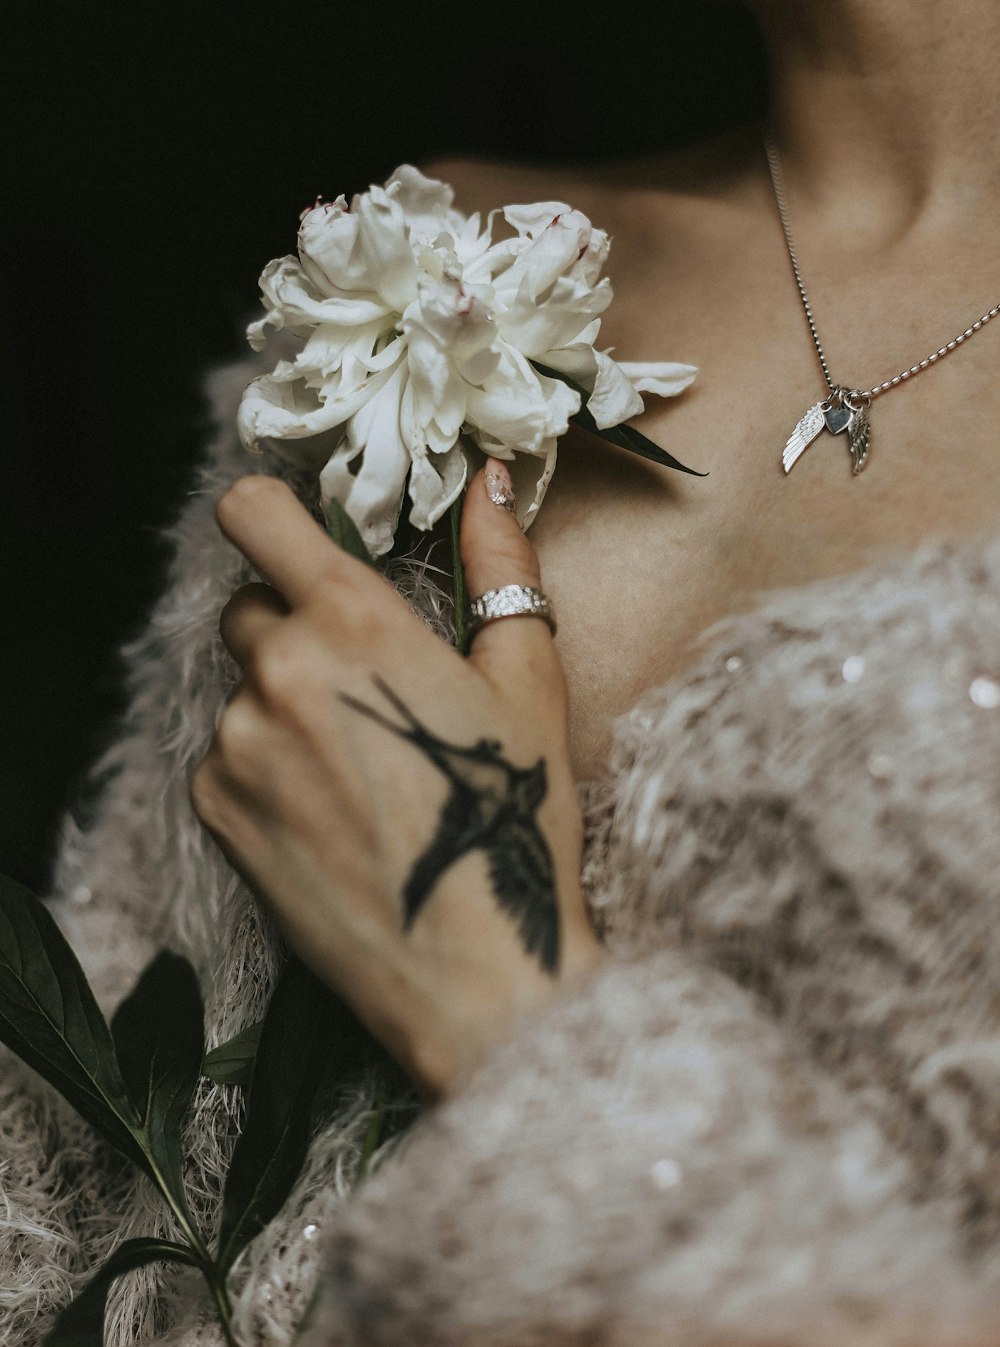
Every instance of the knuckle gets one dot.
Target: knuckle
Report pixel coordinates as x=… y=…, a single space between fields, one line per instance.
x=237 y=736
x=363 y=621
x=277 y=669
x=286 y=668
x=329 y=578
x=353 y=611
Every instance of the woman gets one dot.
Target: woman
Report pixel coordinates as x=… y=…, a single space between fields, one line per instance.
x=762 y=1107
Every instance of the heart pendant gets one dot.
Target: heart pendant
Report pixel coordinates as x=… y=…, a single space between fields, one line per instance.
x=844 y=415
x=838 y=419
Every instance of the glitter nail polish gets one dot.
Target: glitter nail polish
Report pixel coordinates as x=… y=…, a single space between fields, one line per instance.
x=499 y=486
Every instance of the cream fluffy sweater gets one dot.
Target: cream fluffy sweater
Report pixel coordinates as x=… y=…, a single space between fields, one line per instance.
x=774 y=1116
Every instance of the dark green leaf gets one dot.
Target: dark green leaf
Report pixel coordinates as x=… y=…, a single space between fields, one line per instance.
x=624 y=436
x=232 y=1062
x=269 y=1153
x=81 y=1323
x=49 y=1017
x=158 y=1031
x=310 y=1046
x=343 y=530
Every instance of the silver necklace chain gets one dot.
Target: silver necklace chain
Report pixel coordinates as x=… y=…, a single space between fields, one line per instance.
x=856 y=393
x=844 y=410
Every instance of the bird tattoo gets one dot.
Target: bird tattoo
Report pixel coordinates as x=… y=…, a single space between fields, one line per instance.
x=491 y=807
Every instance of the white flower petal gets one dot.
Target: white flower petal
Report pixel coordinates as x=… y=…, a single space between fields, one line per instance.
x=553 y=251
x=591 y=264
x=329 y=250
x=470 y=242
x=274 y=409
x=451 y=343
x=292 y=301
x=372 y=494
x=531 y=474
x=437 y=392
x=613 y=399
x=330 y=343
x=578 y=359
x=457 y=321
x=519 y=407
x=559 y=321
x=408 y=328
x=436 y=481
x=664 y=378
x=533 y=218
x=547 y=454
x=425 y=202
x=384 y=242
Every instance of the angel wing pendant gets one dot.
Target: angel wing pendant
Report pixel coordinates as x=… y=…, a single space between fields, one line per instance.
x=835 y=416
x=803 y=435
x=860 y=434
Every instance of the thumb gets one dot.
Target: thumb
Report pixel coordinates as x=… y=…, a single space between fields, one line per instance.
x=495 y=551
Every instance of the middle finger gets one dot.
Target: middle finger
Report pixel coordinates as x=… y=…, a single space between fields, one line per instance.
x=250 y=612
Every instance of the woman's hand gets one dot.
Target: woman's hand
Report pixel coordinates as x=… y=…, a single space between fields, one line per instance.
x=408 y=816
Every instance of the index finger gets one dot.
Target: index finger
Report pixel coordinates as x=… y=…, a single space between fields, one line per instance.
x=265 y=519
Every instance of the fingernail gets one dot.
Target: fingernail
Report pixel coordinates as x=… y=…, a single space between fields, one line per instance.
x=499 y=486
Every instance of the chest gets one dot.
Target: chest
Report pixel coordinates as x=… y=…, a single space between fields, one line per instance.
x=639 y=561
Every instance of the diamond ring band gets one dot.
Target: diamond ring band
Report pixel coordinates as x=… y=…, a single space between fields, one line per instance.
x=509 y=601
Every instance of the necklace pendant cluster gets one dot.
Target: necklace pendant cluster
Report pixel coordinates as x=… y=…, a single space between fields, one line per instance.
x=844 y=411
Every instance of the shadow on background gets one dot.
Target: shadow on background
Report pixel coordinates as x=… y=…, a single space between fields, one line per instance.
x=160 y=157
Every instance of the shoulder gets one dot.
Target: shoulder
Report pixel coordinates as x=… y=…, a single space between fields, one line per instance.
x=629 y=198
x=485 y=184
x=669 y=218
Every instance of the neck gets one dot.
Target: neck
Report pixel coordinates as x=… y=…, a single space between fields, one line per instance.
x=887 y=112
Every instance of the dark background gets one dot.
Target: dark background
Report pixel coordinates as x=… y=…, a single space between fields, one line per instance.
x=159 y=156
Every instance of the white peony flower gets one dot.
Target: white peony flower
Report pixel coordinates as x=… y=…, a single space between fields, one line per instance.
x=413 y=329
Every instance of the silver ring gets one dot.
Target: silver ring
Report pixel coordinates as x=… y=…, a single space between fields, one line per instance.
x=509 y=601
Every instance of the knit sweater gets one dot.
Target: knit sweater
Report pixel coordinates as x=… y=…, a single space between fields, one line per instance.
x=773 y=1117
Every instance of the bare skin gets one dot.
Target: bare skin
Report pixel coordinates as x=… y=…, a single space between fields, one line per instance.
x=893 y=179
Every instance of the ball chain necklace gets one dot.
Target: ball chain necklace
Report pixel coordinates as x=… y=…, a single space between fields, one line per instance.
x=844 y=409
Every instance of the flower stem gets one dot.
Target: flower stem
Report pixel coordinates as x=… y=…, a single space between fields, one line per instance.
x=458 y=590
x=209 y=1268
x=372 y=1134
x=223 y=1307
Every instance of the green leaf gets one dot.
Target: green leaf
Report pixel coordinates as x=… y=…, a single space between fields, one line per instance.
x=49 y=1017
x=81 y=1323
x=270 y=1151
x=310 y=1046
x=159 y=1036
x=232 y=1062
x=624 y=436
x=344 y=532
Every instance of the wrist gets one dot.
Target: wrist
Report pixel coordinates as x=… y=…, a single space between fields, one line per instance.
x=459 y=1032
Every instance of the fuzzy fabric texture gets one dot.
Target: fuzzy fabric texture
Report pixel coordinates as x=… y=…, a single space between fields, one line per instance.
x=774 y=1117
